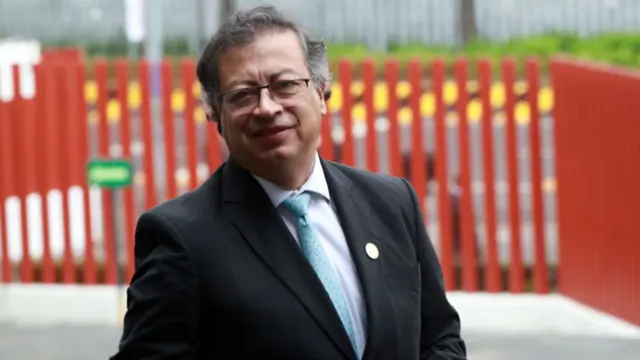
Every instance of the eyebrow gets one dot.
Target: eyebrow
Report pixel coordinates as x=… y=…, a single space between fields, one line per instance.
x=287 y=71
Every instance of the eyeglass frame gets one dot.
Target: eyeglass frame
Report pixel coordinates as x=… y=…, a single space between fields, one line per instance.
x=258 y=90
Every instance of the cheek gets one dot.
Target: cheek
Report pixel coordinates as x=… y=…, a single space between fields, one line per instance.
x=310 y=127
x=307 y=117
x=310 y=113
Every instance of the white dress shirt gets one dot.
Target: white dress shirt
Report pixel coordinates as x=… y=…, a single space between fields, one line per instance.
x=326 y=224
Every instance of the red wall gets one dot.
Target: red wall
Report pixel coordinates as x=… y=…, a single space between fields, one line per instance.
x=597 y=112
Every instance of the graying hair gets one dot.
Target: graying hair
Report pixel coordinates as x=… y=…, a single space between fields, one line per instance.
x=242 y=29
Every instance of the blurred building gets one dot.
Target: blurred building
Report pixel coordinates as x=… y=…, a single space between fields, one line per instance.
x=375 y=22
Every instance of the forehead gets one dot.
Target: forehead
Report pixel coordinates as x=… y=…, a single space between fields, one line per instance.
x=269 y=55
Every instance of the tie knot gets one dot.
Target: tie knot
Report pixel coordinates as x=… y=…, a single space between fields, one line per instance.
x=298 y=204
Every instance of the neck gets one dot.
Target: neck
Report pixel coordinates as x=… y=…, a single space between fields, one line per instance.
x=287 y=175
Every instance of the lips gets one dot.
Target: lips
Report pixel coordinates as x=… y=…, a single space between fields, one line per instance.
x=270 y=131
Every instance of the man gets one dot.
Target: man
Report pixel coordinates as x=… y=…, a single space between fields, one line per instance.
x=279 y=254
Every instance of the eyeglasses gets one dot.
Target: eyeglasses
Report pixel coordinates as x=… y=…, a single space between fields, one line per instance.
x=240 y=100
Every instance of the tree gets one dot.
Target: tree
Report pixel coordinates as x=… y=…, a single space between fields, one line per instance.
x=227 y=9
x=467 y=24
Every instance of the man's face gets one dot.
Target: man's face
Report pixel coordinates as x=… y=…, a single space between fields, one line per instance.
x=263 y=127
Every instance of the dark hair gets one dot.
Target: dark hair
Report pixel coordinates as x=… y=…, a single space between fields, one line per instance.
x=242 y=29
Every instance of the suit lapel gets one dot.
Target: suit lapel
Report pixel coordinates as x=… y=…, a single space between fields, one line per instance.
x=248 y=207
x=358 y=224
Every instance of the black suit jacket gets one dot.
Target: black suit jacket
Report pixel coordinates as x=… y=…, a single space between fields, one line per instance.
x=219 y=276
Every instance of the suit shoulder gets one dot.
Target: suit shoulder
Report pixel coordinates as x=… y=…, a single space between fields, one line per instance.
x=375 y=184
x=364 y=177
x=187 y=208
x=174 y=208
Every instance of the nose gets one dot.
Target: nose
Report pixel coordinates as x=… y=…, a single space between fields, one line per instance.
x=267 y=106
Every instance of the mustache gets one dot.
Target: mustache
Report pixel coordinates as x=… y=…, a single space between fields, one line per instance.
x=257 y=125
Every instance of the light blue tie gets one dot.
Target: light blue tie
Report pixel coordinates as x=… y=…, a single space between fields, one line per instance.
x=312 y=249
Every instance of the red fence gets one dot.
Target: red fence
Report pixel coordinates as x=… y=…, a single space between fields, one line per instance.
x=598 y=171
x=46 y=142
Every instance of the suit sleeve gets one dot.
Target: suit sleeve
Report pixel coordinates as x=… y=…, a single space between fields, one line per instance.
x=440 y=338
x=162 y=308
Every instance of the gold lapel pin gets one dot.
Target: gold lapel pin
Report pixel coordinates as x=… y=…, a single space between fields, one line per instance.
x=372 y=251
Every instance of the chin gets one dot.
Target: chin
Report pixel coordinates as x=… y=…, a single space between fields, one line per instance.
x=283 y=152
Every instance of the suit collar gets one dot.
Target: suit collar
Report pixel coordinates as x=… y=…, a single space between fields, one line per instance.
x=252 y=212
x=249 y=209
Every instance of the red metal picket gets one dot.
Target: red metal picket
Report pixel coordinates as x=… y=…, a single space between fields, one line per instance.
x=540 y=273
x=467 y=219
x=7 y=183
x=166 y=74
x=23 y=171
x=90 y=271
x=516 y=270
x=214 y=147
x=75 y=148
x=326 y=147
x=418 y=157
x=442 y=174
x=391 y=78
x=491 y=268
x=104 y=143
x=49 y=161
x=188 y=79
x=369 y=82
x=345 y=73
x=129 y=215
x=144 y=79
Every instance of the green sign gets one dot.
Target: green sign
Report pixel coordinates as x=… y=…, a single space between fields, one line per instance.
x=110 y=173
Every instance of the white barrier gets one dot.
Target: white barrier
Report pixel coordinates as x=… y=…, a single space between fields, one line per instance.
x=25 y=54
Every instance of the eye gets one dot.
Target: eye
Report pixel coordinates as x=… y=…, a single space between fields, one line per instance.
x=241 y=96
x=285 y=86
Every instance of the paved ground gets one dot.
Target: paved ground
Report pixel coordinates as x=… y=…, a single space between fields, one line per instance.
x=82 y=343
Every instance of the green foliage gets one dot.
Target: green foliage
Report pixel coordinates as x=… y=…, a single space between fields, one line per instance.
x=119 y=47
x=615 y=48
x=177 y=47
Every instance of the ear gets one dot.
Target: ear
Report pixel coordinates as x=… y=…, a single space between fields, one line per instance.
x=321 y=95
x=214 y=116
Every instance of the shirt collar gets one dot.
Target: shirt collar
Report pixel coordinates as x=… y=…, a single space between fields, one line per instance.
x=316 y=183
